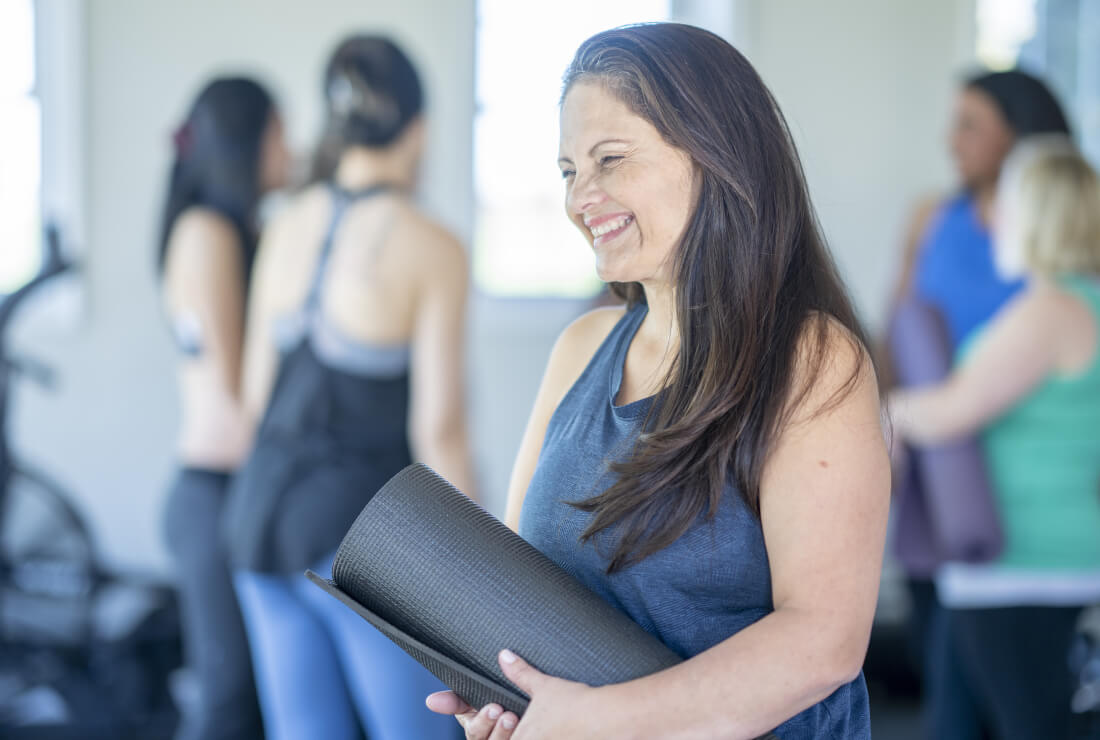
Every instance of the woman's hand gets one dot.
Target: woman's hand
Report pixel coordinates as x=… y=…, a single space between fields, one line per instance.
x=558 y=708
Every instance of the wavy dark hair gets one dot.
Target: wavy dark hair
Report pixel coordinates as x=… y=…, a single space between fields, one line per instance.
x=217 y=158
x=753 y=278
x=1027 y=104
x=372 y=93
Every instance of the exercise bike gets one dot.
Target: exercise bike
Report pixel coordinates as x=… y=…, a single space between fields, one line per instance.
x=64 y=673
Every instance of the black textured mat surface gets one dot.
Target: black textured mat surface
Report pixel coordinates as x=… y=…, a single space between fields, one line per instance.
x=452 y=586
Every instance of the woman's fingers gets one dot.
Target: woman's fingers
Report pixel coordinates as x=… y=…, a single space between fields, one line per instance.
x=491 y=723
x=479 y=726
x=505 y=726
x=447 y=702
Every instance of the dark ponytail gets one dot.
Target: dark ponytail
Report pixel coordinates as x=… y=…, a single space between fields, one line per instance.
x=372 y=93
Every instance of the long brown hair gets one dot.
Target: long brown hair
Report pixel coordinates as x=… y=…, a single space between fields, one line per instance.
x=752 y=277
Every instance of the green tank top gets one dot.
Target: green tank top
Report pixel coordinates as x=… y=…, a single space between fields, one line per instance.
x=1044 y=463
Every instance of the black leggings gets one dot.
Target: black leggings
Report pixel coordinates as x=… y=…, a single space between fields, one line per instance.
x=1005 y=669
x=213 y=632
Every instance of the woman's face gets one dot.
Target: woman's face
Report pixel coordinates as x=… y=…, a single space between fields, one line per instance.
x=628 y=191
x=275 y=159
x=980 y=138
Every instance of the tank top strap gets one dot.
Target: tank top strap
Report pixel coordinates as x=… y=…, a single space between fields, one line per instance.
x=618 y=345
x=342 y=200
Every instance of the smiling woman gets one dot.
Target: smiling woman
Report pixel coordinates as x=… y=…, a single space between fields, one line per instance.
x=709 y=459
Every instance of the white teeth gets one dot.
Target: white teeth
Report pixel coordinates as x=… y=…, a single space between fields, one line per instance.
x=609 y=226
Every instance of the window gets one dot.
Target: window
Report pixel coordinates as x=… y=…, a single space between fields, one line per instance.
x=1057 y=39
x=1004 y=26
x=20 y=146
x=523 y=244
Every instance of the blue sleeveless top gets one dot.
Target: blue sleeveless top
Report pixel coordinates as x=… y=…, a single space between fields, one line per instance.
x=706 y=586
x=955 y=270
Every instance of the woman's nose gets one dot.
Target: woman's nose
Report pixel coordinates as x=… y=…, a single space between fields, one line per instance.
x=584 y=195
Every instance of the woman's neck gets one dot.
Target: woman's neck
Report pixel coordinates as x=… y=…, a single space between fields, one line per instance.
x=983 y=203
x=659 y=332
x=361 y=167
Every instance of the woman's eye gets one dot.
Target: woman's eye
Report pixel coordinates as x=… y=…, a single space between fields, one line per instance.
x=566 y=174
x=609 y=159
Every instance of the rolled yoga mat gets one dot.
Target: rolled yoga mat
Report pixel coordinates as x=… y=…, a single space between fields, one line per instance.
x=946 y=509
x=452 y=586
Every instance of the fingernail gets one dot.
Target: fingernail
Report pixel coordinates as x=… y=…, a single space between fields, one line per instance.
x=507 y=656
x=508 y=722
x=494 y=712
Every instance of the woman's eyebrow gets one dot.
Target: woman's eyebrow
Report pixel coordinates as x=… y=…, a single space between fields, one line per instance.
x=598 y=144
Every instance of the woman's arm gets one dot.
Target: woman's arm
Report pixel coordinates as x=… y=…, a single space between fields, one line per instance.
x=1019 y=349
x=437 y=420
x=921 y=217
x=571 y=353
x=261 y=356
x=918 y=225
x=204 y=277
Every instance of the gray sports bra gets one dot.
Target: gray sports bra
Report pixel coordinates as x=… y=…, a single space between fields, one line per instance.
x=331 y=344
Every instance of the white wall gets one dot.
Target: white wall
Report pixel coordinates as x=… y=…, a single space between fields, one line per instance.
x=108 y=432
x=866 y=85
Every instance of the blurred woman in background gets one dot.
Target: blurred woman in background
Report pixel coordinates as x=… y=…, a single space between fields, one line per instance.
x=354 y=350
x=948 y=264
x=1031 y=381
x=948 y=259
x=228 y=153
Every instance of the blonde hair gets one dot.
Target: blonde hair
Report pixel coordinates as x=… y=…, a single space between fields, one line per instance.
x=1056 y=194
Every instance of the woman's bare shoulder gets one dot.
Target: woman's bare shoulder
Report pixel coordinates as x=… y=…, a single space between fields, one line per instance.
x=576 y=346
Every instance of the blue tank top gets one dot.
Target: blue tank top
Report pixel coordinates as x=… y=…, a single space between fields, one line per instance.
x=706 y=586
x=955 y=270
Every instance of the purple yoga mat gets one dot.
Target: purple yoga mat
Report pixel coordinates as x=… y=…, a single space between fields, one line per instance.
x=945 y=508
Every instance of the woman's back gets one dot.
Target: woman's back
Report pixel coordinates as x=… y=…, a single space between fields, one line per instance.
x=368 y=288
x=351 y=285
x=386 y=266
x=1044 y=453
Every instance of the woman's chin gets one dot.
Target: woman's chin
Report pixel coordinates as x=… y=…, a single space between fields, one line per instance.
x=609 y=272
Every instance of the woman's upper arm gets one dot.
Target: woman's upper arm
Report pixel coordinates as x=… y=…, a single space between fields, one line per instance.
x=570 y=355
x=824 y=494
x=437 y=413
x=206 y=278
x=261 y=357
x=918 y=225
x=1018 y=350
